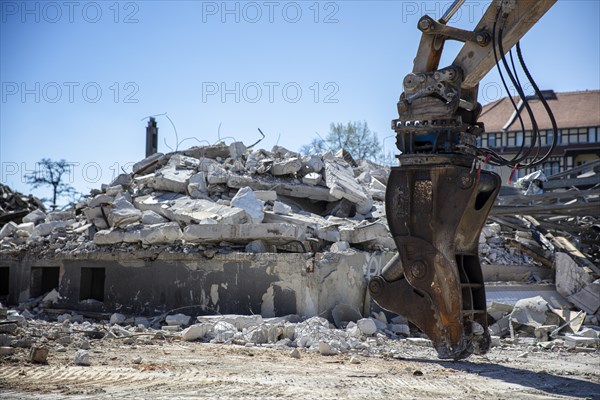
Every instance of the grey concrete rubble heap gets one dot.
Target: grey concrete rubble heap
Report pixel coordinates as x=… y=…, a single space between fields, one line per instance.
x=38 y=335
x=253 y=200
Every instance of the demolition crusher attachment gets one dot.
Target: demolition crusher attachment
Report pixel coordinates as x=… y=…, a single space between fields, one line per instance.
x=439 y=197
x=436 y=207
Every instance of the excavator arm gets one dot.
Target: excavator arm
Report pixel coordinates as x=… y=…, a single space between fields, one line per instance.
x=436 y=201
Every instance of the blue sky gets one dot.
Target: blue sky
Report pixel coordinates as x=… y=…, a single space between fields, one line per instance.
x=78 y=77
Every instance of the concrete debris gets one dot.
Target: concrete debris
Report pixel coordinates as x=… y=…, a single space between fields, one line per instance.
x=117 y=318
x=196 y=332
x=532 y=312
x=281 y=208
x=312 y=178
x=295 y=353
x=340 y=180
x=570 y=278
x=35 y=216
x=82 y=357
x=343 y=314
x=247 y=201
x=367 y=326
x=171 y=179
x=178 y=319
x=39 y=354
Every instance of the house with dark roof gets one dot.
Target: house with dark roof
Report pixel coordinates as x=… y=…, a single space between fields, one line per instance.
x=577 y=116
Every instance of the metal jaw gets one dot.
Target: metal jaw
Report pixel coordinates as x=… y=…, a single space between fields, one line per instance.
x=436 y=207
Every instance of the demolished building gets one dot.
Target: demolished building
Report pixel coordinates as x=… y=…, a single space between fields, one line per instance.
x=230 y=230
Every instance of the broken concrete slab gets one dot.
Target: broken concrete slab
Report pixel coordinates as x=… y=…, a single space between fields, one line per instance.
x=340 y=247
x=97 y=216
x=123 y=180
x=160 y=233
x=217 y=175
x=284 y=188
x=340 y=180
x=149 y=217
x=243 y=233
x=46 y=228
x=570 y=277
x=178 y=319
x=266 y=195
x=8 y=229
x=148 y=164
x=281 y=208
x=100 y=199
x=363 y=233
x=531 y=312
x=286 y=167
x=312 y=178
x=186 y=210
x=213 y=151
x=35 y=216
x=247 y=201
x=172 y=180
x=180 y=161
x=123 y=213
x=197 y=186
x=588 y=298
x=196 y=331
x=109 y=236
x=312 y=163
x=236 y=150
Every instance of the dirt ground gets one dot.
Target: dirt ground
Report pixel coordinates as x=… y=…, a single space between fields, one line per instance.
x=175 y=369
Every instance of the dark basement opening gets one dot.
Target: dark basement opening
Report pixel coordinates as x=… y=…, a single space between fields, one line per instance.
x=92 y=284
x=43 y=280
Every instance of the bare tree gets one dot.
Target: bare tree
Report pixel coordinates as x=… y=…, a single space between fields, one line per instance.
x=354 y=137
x=54 y=174
x=316 y=146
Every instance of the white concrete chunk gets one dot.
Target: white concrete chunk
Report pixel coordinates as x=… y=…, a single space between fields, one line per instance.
x=196 y=331
x=123 y=213
x=340 y=180
x=8 y=229
x=236 y=150
x=177 y=319
x=46 y=228
x=367 y=326
x=312 y=178
x=340 y=247
x=82 y=357
x=247 y=201
x=281 y=208
x=286 y=167
x=171 y=179
x=197 y=187
x=217 y=175
x=35 y=216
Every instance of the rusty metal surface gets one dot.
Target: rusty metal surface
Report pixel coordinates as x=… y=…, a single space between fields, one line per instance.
x=436 y=207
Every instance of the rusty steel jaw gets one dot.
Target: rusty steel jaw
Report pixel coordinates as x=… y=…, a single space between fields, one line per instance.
x=436 y=207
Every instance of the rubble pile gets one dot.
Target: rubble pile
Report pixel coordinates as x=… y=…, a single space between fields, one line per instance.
x=32 y=332
x=221 y=196
x=14 y=205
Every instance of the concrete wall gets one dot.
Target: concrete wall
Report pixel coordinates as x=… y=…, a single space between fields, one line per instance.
x=236 y=283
